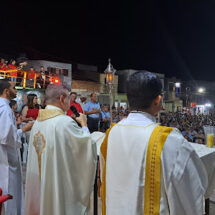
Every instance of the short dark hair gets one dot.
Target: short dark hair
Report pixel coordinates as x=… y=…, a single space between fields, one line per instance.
x=142 y=88
x=12 y=103
x=91 y=95
x=73 y=93
x=4 y=84
x=11 y=61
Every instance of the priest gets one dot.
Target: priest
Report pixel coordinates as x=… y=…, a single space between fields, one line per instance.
x=10 y=162
x=61 y=160
x=149 y=169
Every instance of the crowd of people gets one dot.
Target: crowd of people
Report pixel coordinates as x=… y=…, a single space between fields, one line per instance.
x=98 y=116
x=62 y=156
x=119 y=113
x=191 y=126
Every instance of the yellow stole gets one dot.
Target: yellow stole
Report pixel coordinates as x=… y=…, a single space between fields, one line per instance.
x=48 y=114
x=103 y=150
x=152 y=190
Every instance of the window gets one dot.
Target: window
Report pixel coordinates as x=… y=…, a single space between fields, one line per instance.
x=58 y=71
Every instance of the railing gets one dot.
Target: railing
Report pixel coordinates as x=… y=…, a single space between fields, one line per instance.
x=23 y=78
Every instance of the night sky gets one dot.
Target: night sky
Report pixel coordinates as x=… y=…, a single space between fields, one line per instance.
x=172 y=37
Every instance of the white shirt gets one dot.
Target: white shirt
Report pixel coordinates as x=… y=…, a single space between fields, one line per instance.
x=10 y=167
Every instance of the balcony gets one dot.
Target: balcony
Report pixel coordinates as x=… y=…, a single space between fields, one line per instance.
x=22 y=80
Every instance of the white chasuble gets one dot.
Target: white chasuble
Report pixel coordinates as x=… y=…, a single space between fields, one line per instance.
x=61 y=166
x=150 y=170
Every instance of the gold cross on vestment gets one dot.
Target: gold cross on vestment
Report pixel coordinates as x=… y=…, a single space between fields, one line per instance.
x=39 y=145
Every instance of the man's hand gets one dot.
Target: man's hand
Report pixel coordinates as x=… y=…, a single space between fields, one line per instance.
x=27 y=127
x=81 y=120
x=95 y=110
x=18 y=121
x=73 y=116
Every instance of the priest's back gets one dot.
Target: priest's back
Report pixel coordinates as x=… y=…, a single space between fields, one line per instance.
x=151 y=169
x=61 y=166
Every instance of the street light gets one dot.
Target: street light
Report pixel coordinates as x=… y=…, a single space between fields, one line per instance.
x=201 y=90
x=177 y=84
x=202 y=93
x=177 y=87
x=208 y=105
x=110 y=71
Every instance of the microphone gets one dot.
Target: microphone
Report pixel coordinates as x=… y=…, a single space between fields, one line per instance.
x=74 y=110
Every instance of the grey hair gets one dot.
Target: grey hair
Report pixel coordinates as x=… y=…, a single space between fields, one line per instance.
x=54 y=91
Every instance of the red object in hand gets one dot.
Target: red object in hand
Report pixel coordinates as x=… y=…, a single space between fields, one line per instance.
x=4 y=198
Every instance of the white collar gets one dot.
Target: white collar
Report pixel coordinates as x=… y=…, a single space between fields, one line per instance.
x=53 y=107
x=139 y=116
x=3 y=100
x=139 y=119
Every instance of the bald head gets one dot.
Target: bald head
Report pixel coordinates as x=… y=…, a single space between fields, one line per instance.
x=58 y=95
x=54 y=91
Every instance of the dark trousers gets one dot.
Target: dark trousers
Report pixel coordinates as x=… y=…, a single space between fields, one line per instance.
x=93 y=124
x=104 y=126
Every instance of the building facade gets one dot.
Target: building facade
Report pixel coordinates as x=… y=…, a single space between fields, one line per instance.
x=63 y=70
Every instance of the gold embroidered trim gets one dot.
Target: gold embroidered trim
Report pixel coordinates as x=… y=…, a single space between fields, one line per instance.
x=48 y=114
x=104 y=154
x=152 y=190
x=39 y=145
x=139 y=126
